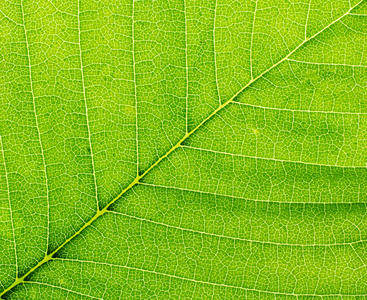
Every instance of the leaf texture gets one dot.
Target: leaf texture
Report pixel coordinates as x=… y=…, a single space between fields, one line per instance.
x=184 y=149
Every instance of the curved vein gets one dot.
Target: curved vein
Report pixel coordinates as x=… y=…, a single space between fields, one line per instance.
x=326 y=64
x=271 y=159
x=186 y=71
x=38 y=130
x=244 y=198
x=61 y=288
x=215 y=53
x=208 y=282
x=252 y=38
x=11 y=211
x=236 y=238
x=301 y=110
x=135 y=92
x=10 y=19
x=308 y=14
x=86 y=106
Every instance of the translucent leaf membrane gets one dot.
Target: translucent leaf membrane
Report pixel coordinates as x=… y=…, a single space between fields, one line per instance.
x=303 y=224
x=259 y=179
x=106 y=39
x=341 y=44
x=279 y=28
x=145 y=285
x=183 y=149
x=52 y=38
x=203 y=88
x=218 y=54
x=320 y=138
x=8 y=261
x=302 y=86
x=38 y=291
x=322 y=13
x=160 y=67
x=23 y=180
x=117 y=245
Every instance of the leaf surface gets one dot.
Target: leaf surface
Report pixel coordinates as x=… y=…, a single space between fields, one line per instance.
x=183 y=149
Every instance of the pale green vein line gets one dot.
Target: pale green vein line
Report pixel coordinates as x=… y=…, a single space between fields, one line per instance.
x=357 y=254
x=252 y=38
x=48 y=257
x=187 y=71
x=179 y=143
x=326 y=64
x=86 y=107
x=352 y=29
x=61 y=288
x=37 y=126
x=300 y=110
x=319 y=272
x=357 y=144
x=135 y=94
x=236 y=238
x=11 y=20
x=244 y=198
x=207 y=282
x=215 y=52
x=308 y=14
x=273 y=159
x=11 y=211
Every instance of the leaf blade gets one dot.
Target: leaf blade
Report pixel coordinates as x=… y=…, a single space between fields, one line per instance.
x=340 y=179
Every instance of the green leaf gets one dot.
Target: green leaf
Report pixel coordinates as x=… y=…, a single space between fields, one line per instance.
x=183 y=149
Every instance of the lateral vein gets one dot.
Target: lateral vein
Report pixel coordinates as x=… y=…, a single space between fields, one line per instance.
x=11 y=211
x=220 y=236
x=37 y=126
x=205 y=282
x=64 y=289
x=86 y=107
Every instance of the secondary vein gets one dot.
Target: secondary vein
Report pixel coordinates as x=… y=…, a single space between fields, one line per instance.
x=11 y=211
x=206 y=282
x=86 y=106
x=37 y=126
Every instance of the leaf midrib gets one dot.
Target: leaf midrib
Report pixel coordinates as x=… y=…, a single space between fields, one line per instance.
x=100 y=212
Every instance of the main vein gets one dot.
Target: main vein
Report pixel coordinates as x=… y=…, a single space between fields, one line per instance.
x=100 y=212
